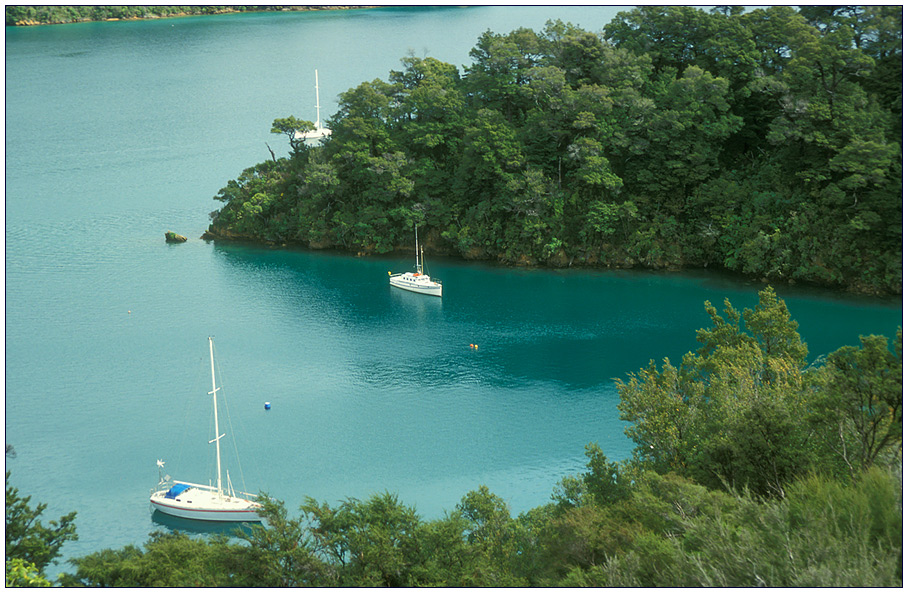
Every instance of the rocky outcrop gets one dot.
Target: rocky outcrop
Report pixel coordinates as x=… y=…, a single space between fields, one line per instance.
x=172 y=237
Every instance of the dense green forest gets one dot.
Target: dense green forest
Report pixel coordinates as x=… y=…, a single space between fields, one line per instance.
x=56 y=15
x=751 y=467
x=765 y=142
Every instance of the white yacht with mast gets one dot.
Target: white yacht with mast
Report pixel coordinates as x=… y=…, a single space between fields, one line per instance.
x=319 y=133
x=200 y=502
x=417 y=281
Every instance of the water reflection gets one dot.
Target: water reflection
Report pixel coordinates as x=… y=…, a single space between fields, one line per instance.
x=179 y=524
x=415 y=306
x=419 y=302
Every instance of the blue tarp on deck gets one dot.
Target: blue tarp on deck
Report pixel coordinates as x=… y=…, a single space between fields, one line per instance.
x=176 y=490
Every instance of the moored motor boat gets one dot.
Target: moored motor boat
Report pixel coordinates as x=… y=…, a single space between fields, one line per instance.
x=417 y=281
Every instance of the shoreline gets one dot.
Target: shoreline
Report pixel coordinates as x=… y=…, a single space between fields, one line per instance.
x=854 y=290
x=29 y=22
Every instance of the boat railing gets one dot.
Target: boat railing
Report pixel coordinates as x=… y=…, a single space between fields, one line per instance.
x=209 y=487
x=163 y=485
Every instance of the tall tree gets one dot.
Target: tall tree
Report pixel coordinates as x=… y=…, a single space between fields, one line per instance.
x=501 y=72
x=493 y=538
x=861 y=397
x=294 y=129
x=27 y=539
x=282 y=550
x=691 y=121
x=734 y=412
x=373 y=542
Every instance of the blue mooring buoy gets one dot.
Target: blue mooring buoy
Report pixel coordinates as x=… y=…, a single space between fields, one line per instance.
x=267 y=405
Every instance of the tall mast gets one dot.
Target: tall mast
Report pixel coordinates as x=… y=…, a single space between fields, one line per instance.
x=214 y=397
x=416 y=233
x=318 y=115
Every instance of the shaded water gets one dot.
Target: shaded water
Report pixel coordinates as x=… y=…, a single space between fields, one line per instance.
x=117 y=132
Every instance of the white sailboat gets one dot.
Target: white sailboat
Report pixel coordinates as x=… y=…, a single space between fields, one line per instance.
x=313 y=136
x=200 y=502
x=417 y=281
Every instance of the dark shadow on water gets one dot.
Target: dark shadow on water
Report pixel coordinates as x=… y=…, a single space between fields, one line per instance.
x=199 y=527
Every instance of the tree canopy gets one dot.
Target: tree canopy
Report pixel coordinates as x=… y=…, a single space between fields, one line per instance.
x=30 y=544
x=49 y=15
x=765 y=142
x=751 y=468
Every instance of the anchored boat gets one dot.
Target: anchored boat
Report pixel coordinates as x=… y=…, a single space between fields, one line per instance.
x=200 y=502
x=417 y=281
x=313 y=136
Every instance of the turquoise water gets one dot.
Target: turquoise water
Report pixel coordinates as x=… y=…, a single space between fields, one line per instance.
x=117 y=132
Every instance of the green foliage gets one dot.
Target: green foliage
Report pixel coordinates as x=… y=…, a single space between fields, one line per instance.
x=860 y=395
x=673 y=533
x=751 y=469
x=493 y=538
x=825 y=533
x=294 y=129
x=20 y=573
x=605 y=482
x=282 y=551
x=753 y=141
x=763 y=142
x=733 y=413
x=371 y=541
x=172 y=560
x=16 y=15
x=28 y=540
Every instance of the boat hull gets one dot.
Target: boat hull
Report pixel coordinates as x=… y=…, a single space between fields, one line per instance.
x=203 y=505
x=420 y=284
x=208 y=514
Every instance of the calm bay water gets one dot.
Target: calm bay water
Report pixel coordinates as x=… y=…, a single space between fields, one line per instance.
x=116 y=132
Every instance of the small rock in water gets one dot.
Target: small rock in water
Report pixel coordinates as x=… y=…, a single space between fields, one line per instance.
x=172 y=237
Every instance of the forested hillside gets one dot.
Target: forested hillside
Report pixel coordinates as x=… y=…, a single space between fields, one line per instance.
x=751 y=468
x=25 y=15
x=765 y=142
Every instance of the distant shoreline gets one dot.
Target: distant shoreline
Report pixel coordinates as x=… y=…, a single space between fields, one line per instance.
x=28 y=16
